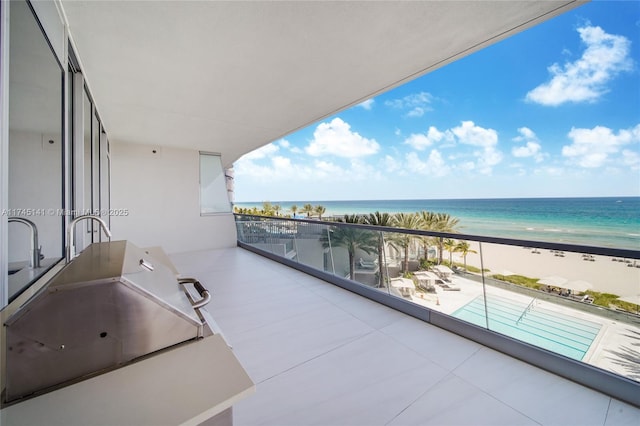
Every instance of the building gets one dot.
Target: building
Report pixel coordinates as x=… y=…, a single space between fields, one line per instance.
x=133 y=110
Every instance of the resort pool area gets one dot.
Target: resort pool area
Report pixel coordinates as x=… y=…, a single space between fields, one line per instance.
x=551 y=330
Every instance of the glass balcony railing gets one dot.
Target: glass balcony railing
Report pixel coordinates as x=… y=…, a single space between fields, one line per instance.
x=577 y=302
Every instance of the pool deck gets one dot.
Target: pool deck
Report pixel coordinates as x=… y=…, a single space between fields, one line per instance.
x=615 y=348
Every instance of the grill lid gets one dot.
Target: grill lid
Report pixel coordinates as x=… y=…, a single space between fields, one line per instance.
x=110 y=305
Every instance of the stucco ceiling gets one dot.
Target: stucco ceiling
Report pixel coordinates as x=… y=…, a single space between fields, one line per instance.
x=230 y=77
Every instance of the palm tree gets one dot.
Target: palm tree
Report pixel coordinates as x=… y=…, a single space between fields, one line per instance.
x=379 y=219
x=351 y=238
x=464 y=248
x=294 y=209
x=406 y=221
x=444 y=223
x=428 y=222
x=353 y=218
x=450 y=246
x=320 y=210
x=276 y=209
x=267 y=208
x=307 y=209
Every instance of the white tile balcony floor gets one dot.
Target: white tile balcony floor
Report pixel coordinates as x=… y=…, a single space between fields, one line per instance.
x=321 y=355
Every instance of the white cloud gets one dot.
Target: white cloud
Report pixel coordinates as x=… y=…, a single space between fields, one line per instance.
x=592 y=148
x=278 y=167
x=550 y=171
x=390 y=164
x=287 y=145
x=525 y=135
x=422 y=141
x=419 y=141
x=488 y=158
x=531 y=147
x=631 y=159
x=467 y=166
x=368 y=104
x=283 y=169
x=360 y=170
x=433 y=166
x=416 y=103
x=336 y=138
x=585 y=80
x=262 y=152
x=416 y=112
x=470 y=134
x=487 y=139
x=282 y=163
x=415 y=165
x=326 y=169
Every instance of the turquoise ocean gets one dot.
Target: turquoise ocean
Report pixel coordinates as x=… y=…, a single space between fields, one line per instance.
x=603 y=222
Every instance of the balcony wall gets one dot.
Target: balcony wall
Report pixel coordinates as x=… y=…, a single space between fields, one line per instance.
x=160 y=190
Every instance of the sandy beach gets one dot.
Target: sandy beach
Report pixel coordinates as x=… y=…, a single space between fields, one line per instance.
x=604 y=274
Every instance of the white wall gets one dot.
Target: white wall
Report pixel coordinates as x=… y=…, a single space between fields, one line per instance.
x=161 y=192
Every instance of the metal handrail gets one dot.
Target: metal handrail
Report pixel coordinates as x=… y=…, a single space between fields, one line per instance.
x=575 y=248
x=527 y=309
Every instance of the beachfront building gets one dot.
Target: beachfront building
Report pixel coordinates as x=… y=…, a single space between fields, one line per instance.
x=134 y=111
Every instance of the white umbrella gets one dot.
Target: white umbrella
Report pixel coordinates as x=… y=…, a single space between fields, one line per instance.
x=553 y=280
x=578 y=285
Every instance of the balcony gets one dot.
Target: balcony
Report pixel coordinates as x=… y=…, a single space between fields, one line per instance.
x=320 y=354
x=578 y=329
x=323 y=355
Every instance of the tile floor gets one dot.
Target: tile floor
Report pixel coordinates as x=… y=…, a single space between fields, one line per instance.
x=321 y=355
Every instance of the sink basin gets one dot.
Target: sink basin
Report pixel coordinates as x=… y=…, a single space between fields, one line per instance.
x=21 y=275
x=15 y=267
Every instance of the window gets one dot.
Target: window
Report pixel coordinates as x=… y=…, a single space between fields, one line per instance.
x=213 y=187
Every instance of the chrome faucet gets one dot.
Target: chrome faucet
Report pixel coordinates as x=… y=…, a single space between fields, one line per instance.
x=71 y=243
x=34 y=262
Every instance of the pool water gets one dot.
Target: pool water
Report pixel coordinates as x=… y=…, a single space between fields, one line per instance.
x=554 y=331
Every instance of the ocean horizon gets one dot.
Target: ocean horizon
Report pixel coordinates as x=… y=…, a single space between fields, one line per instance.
x=592 y=221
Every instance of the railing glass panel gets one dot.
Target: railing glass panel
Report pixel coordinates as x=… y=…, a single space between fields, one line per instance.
x=575 y=301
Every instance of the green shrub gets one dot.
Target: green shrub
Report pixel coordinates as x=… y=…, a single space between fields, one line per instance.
x=520 y=280
x=609 y=300
x=426 y=264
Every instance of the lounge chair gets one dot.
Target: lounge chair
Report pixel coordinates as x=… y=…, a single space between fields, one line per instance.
x=450 y=287
x=367 y=264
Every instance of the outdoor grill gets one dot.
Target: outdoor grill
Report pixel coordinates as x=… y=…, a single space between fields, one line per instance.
x=113 y=304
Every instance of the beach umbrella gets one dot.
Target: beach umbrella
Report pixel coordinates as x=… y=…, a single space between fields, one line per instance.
x=578 y=285
x=553 y=280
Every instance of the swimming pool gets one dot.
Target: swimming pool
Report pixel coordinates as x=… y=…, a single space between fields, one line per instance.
x=554 y=331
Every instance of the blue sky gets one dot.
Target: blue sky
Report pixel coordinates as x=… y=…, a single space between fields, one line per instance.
x=553 y=111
